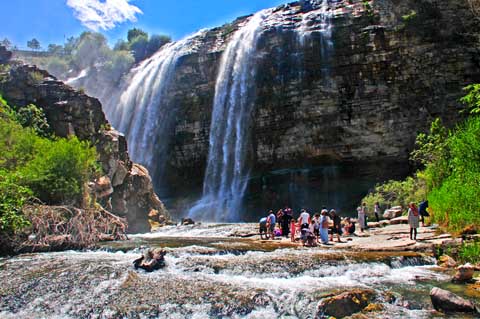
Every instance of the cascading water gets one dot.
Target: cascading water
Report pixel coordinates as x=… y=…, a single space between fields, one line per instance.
x=143 y=112
x=319 y=21
x=226 y=176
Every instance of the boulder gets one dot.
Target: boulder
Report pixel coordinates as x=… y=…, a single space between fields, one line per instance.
x=443 y=300
x=393 y=212
x=188 y=221
x=446 y=261
x=103 y=187
x=464 y=273
x=152 y=259
x=344 y=304
x=399 y=220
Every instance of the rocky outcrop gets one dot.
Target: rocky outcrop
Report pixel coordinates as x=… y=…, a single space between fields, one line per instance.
x=464 y=273
x=344 y=304
x=446 y=301
x=393 y=212
x=126 y=189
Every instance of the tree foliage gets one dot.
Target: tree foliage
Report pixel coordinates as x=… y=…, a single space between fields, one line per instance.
x=33 y=44
x=450 y=171
x=55 y=170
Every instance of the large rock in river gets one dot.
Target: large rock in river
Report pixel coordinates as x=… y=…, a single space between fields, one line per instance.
x=464 y=273
x=344 y=304
x=446 y=301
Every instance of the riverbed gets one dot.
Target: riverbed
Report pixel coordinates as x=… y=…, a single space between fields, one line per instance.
x=212 y=274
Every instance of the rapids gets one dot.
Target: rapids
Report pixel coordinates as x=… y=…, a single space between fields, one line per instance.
x=210 y=274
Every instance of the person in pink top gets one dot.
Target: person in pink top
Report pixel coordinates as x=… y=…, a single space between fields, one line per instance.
x=293 y=230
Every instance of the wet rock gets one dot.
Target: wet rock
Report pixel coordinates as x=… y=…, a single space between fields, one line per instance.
x=399 y=220
x=393 y=212
x=446 y=261
x=443 y=300
x=464 y=273
x=374 y=307
x=152 y=259
x=187 y=221
x=344 y=304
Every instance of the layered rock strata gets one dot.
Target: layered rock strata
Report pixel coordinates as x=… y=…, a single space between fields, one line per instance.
x=393 y=67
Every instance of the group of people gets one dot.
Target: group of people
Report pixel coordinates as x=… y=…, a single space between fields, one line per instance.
x=321 y=227
x=310 y=229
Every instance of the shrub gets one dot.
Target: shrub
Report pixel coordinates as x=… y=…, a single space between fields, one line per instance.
x=34 y=117
x=397 y=193
x=56 y=170
x=469 y=252
x=455 y=202
x=12 y=198
x=60 y=169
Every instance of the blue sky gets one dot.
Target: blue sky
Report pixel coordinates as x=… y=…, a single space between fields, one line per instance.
x=50 y=21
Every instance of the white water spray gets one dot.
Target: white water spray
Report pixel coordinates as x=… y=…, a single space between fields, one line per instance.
x=143 y=111
x=226 y=176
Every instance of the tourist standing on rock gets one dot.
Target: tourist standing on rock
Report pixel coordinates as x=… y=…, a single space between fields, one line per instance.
x=316 y=226
x=365 y=213
x=271 y=220
x=262 y=228
x=422 y=210
x=293 y=229
x=304 y=219
x=376 y=209
x=337 y=225
x=324 y=223
x=287 y=217
x=413 y=220
x=361 y=218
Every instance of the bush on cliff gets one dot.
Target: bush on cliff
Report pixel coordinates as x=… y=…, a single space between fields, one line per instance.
x=450 y=176
x=54 y=170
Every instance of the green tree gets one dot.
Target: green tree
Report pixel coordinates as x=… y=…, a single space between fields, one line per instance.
x=70 y=45
x=33 y=44
x=121 y=45
x=156 y=42
x=55 y=49
x=91 y=48
x=6 y=43
x=135 y=33
x=139 y=47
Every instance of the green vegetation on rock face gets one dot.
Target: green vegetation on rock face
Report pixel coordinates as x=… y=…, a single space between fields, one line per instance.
x=450 y=177
x=54 y=170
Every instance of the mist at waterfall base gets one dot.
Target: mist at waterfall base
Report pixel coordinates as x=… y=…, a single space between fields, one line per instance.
x=340 y=186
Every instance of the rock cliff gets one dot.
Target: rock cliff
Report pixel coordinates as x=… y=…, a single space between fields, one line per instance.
x=342 y=88
x=126 y=189
x=393 y=66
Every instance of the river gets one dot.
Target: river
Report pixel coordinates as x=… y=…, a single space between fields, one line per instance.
x=210 y=274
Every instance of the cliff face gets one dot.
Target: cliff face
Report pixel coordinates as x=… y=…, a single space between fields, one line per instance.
x=126 y=189
x=359 y=94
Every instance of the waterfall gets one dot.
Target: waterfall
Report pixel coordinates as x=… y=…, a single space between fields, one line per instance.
x=226 y=175
x=142 y=110
x=318 y=22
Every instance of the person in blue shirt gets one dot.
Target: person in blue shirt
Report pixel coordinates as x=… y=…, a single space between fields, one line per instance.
x=271 y=221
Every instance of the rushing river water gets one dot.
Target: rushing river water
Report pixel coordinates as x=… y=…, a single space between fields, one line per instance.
x=210 y=275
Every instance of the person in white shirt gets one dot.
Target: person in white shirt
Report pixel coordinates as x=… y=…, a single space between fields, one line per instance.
x=304 y=219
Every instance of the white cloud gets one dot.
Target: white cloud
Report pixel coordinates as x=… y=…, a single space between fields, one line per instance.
x=97 y=14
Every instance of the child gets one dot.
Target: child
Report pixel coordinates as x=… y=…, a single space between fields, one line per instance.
x=293 y=230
